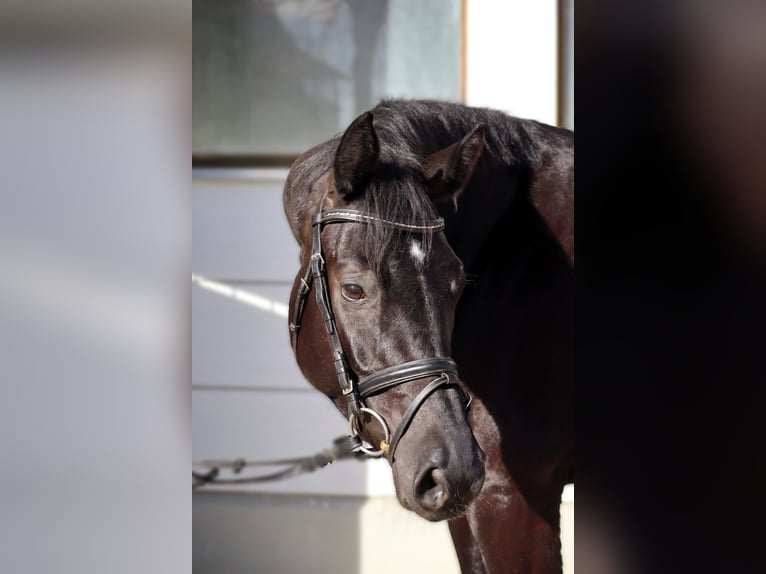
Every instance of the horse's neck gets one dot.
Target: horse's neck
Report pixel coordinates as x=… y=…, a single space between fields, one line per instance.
x=546 y=192
x=482 y=206
x=551 y=193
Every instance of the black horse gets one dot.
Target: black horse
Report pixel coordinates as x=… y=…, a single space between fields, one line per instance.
x=397 y=300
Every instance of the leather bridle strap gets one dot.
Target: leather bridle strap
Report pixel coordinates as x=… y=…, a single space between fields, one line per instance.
x=339 y=215
x=300 y=303
x=322 y=293
x=315 y=273
x=443 y=368
x=409 y=414
x=393 y=376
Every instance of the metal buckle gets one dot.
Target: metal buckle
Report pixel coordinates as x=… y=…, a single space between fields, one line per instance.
x=366 y=447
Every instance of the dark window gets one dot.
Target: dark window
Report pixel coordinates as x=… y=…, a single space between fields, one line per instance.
x=274 y=77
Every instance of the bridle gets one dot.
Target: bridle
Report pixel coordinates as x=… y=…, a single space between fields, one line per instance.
x=356 y=391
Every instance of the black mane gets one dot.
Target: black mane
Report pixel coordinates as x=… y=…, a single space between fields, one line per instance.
x=394 y=195
x=408 y=131
x=411 y=129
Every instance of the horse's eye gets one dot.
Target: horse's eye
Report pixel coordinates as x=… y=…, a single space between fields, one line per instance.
x=352 y=291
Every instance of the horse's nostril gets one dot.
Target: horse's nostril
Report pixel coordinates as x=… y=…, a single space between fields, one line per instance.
x=432 y=489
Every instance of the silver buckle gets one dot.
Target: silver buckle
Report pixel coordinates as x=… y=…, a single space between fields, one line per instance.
x=366 y=447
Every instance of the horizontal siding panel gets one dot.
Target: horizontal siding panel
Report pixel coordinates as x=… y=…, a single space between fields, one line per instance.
x=262 y=426
x=240 y=231
x=234 y=344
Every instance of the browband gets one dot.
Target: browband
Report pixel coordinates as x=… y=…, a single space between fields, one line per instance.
x=339 y=215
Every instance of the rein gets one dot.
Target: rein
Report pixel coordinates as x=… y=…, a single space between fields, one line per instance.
x=342 y=447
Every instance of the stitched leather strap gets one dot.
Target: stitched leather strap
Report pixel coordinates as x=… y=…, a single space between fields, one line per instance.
x=393 y=376
x=412 y=410
x=339 y=215
x=300 y=303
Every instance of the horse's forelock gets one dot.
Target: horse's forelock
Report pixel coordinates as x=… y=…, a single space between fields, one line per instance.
x=395 y=194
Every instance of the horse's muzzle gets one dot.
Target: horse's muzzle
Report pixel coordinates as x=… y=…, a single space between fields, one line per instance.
x=442 y=491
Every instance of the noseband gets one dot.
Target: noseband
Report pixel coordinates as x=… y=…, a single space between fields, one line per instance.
x=444 y=369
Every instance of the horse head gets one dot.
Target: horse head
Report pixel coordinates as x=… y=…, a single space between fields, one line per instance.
x=391 y=284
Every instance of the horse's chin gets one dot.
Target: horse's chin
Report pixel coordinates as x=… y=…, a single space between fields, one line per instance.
x=438 y=516
x=433 y=515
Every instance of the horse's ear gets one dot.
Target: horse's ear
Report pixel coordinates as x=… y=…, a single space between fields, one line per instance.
x=447 y=171
x=357 y=156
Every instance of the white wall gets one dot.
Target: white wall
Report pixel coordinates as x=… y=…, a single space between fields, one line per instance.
x=511 y=57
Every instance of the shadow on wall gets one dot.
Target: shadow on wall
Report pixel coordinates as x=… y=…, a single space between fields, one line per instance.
x=273 y=533
x=270 y=534
x=246 y=533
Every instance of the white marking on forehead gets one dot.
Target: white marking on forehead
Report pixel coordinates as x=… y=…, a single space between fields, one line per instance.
x=417 y=252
